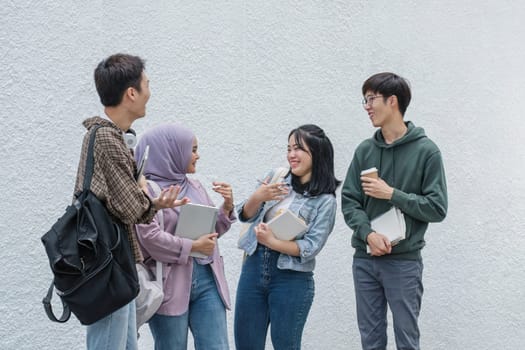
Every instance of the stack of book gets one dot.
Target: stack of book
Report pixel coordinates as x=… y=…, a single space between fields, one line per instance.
x=390 y=224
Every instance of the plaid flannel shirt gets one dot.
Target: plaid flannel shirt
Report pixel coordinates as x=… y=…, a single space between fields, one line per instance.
x=113 y=179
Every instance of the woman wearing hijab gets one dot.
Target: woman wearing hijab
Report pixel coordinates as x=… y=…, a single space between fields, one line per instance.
x=196 y=295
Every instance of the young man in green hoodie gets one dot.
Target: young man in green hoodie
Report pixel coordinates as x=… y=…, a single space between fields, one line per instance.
x=411 y=178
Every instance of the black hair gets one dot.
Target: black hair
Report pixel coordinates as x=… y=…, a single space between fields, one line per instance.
x=323 y=178
x=115 y=74
x=389 y=84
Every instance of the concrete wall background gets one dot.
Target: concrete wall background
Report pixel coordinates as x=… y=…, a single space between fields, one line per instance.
x=242 y=74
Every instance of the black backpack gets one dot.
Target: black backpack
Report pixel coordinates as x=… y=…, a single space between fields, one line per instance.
x=90 y=257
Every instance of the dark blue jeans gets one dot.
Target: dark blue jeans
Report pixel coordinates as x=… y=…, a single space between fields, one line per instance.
x=378 y=281
x=266 y=296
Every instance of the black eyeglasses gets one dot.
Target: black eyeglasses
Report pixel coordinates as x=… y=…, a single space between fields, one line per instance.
x=367 y=101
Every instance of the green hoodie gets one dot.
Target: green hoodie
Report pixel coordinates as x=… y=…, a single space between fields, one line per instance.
x=411 y=165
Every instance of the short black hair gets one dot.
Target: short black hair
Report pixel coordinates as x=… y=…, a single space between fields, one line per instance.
x=388 y=84
x=323 y=178
x=115 y=74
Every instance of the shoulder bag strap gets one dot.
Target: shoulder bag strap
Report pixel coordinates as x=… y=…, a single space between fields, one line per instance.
x=279 y=173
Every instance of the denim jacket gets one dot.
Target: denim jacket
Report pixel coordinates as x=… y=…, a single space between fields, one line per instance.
x=318 y=212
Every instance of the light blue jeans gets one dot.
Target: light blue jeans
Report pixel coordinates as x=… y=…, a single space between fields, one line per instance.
x=269 y=296
x=382 y=280
x=206 y=318
x=117 y=331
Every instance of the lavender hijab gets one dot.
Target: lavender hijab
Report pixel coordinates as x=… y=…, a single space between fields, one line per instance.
x=170 y=152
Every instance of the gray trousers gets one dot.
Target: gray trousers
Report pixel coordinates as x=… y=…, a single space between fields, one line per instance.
x=398 y=283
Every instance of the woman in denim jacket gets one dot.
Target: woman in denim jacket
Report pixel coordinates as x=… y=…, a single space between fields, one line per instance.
x=276 y=285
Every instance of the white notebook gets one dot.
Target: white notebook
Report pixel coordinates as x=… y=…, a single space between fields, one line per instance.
x=390 y=224
x=287 y=226
x=195 y=221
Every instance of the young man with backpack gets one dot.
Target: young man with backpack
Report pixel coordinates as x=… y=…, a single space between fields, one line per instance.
x=123 y=88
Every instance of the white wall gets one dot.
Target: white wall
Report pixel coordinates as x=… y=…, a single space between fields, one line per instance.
x=242 y=74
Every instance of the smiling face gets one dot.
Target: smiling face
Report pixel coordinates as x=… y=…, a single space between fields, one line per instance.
x=140 y=98
x=379 y=111
x=300 y=159
x=192 y=166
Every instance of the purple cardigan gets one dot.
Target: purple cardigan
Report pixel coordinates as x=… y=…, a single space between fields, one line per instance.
x=177 y=265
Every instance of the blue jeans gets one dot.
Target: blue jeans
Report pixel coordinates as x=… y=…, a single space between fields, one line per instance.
x=117 y=331
x=206 y=318
x=378 y=281
x=267 y=296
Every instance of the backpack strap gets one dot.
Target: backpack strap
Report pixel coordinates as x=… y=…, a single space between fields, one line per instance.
x=66 y=313
x=90 y=159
